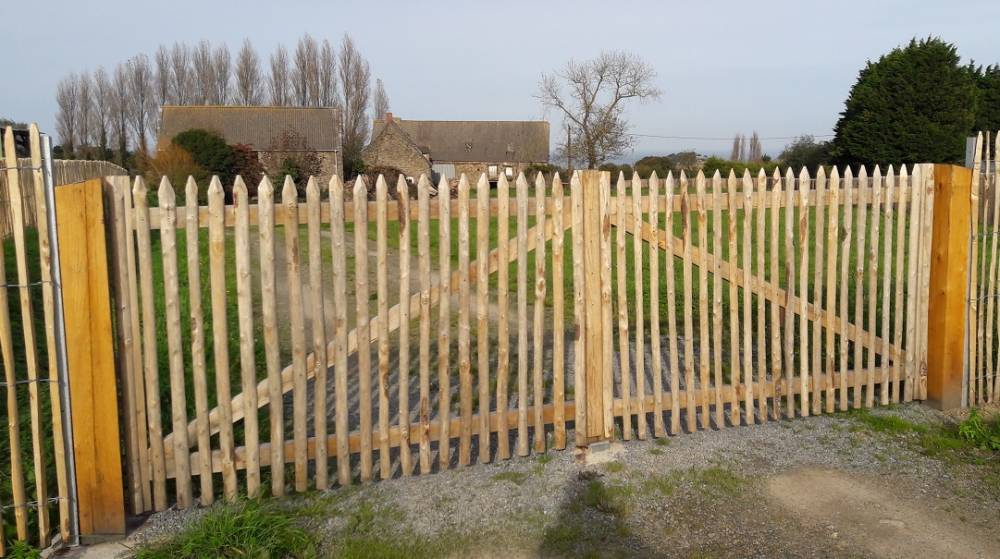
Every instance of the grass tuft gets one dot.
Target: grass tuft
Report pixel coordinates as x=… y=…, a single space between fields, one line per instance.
x=613 y=500
x=247 y=529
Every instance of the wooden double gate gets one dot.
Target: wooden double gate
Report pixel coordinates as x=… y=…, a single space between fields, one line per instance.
x=400 y=329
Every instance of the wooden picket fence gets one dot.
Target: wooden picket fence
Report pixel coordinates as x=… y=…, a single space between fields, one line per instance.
x=64 y=171
x=34 y=445
x=982 y=361
x=735 y=300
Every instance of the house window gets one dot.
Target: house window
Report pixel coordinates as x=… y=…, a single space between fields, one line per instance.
x=509 y=171
x=491 y=172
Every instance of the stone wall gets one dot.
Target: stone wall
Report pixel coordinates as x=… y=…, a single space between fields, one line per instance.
x=392 y=149
x=330 y=163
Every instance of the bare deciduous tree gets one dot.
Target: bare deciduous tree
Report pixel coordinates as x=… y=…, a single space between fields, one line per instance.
x=755 y=152
x=181 y=77
x=102 y=109
x=305 y=72
x=140 y=98
x=68 y=101
x=278 y=81
x=736 y=153
x=380 y=102
x=222 y=63
x=163 y=78
x=355 y=79
x=119 y=102
x=248 y=78
x=204 y=73
x=85 y=111
x=592 y=96
x=328 y=96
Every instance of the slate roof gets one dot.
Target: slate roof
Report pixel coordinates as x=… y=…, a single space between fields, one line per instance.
x=255 y=126
x=478 y=140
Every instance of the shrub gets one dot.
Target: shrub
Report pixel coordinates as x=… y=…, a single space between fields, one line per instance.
x=177 y=164
x=981 y=433
x=246 y=164
x=210 y=151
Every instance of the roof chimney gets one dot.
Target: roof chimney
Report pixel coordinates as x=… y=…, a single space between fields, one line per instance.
x=388 y=118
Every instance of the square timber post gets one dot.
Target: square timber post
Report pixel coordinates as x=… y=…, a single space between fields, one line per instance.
x=948 y=303
x=596 y=190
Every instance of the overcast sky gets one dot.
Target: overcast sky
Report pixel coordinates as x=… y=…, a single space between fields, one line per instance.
x=780 y=67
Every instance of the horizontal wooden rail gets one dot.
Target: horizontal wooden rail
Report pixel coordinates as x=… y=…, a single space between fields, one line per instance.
x=636 y=405
x=863 y=195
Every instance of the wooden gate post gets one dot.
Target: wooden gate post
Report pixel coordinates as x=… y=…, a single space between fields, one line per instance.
x=597 y=304
x=90 y=359
x=949 y=286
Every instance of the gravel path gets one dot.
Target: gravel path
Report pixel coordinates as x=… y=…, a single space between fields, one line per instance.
x=815 y=487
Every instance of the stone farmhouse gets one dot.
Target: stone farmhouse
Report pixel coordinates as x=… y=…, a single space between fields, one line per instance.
x=449 y=148
x=273 y=133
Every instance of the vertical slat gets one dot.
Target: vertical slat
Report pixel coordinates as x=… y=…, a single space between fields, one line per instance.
x=18 y=222
x=269 y=315
x=48 y=306
x=899 y=216
x=773 y=277
x=444 y=323
x=816 y=368
x=290 y=203
x=873 y=270
x=464 y=358
x=127 y=371
x=558 y=320
x=717 y=260
x=171 y=289
x=831 y=286
x=803 y=201
x=220 y=332
x=975 y=334
x=424 y=270
x=912 y=274
x=621 y=277
x=579 y=309
x=482 y=314
x=734 y=305
x=604 y=211
x=926 y=226
x=761 y=244
x=142 y=424
x=703 y=366
x=248 y=365
x=522 y=315
x=318 y=327
x=197 y=321
x=149 y=335
x=654 y=306
x=859 y=285
x=890 y=198
x=673 y=359
x=994 y=175
x=747 y=283
x=538 y=390
x=689 y=382
x=405 y=239
x=640 y=348
x=845 y=283
x=19 y=496
x=382 y=324
x=363 y=324
x=790 y=278
x=503 y=321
